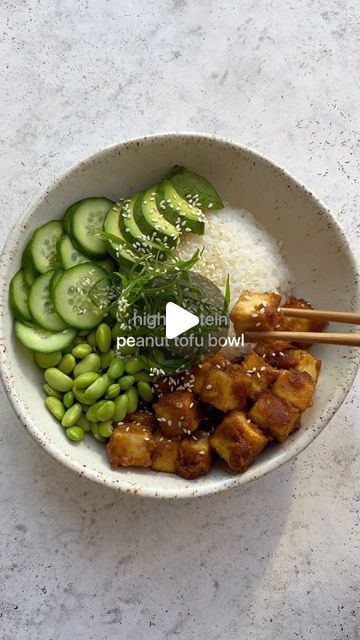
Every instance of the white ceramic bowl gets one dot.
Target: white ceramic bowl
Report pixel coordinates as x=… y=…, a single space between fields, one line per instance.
x=317 y=253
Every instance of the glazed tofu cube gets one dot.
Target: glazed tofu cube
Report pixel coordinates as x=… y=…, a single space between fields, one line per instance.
x=238 y=441
x=141 y=419
x=296 y=387
x=271 y=349
x=299 y=360
x=167 y=384
x=306 y=363
x=194 y=457
x=274 y=415
x=130 y=445
x=225 y=389
x=300 y=324
x=200 y=372
x=178 y=413
x=165 y=453
x=256 y=312
x=261 y=375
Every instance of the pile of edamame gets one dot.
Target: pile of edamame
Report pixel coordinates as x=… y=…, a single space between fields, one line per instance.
x=90 y=388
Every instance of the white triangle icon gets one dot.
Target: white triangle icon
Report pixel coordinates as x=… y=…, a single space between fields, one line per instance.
x=178 y=320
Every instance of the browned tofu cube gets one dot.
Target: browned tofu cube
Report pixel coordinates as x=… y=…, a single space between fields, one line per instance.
x=167 y=384
x=270 y=350
x=306 y=363
x=256 y=312
x=296 y=387
x=178 y=413
x=299 y=360
x=200 y=372
x=274 y=415
x=300 y=324
x=261 y=375
x=225 y=389
x=145 y=419
x=238 y=441
x=130 y=445
x=165 y=453
x=194 y=457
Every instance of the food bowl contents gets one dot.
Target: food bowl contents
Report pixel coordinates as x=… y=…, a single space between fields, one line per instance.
x=88 y=282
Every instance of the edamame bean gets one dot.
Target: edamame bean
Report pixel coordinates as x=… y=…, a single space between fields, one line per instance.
x=82 y=350
x=95 y=432
x=80 y=396
x=132 y=400
x=106 y=411
x=68 y=399
x=121 y=404
x=75 y=433
x=145 y=391
x=113 y=391
x=116 y=332
x=77 y=340
x=89 y=363
x=106 y=358
x=84 y=423
x=97 y=388
x=72 y=415
x=92 y=338
x=52 y=392
x=58 y=380
x=55 y=407
x=103 y=337
x=116 y=368
x=67 y=363
x=91 y=412
x=126 y=382
x=46 y=360
x=84 y=380
x=142 y=376
x=105 y=428
x=133 y=366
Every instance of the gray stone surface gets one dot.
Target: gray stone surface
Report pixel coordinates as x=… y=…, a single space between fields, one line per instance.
x=280 y=558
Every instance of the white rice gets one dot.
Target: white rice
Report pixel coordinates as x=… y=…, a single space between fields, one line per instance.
x=236 y=244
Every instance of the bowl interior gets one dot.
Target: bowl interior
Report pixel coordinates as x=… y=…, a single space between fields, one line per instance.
x=315 y=249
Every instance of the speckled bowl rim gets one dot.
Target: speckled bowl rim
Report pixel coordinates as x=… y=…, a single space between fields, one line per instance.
x=122 y=484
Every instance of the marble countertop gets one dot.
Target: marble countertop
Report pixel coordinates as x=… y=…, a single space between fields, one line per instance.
x=279 y=558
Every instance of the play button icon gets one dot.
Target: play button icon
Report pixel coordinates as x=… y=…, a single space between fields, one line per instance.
x=178 y=320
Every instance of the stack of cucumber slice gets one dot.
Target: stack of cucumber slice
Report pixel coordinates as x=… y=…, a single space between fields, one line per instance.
x=63 y=288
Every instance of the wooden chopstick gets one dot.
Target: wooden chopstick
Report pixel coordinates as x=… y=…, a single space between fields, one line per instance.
x=348 y=317
x=349 y=339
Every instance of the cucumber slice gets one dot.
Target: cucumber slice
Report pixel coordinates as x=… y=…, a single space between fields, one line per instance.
x=54 y=280
x=43 y=244
x=178 y=211
x=151 y=222
x=43 y=341
x=67 y=216
x=69 y=256
x=78 y=301
x=30 y=273
x=195 y=188
x=124 y=255
x=86 y=220
x=41 y=306
x=18 y=295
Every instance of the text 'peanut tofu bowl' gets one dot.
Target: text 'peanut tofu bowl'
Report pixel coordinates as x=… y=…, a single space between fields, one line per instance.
x=133 y=292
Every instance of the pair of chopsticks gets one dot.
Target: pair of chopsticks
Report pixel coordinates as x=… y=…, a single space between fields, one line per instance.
x=349 y=339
